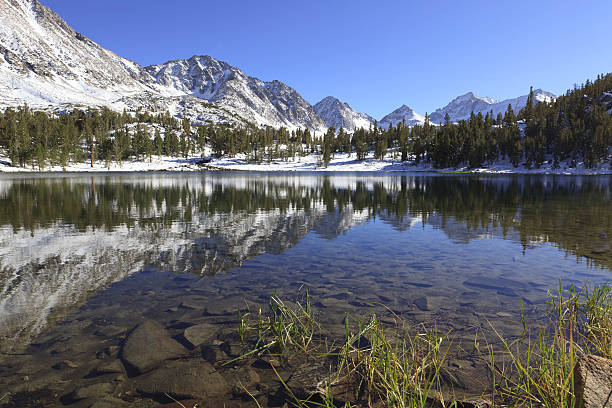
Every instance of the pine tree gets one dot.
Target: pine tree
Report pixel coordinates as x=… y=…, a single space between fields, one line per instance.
x=328 y=143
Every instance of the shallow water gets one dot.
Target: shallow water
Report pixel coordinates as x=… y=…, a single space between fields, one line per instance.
x=84 y=259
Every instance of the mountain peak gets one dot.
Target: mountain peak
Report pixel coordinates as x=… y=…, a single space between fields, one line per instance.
x=470 y=97
x=403 y=114
x=404 y=108
x=329 y=99
x=340 y=114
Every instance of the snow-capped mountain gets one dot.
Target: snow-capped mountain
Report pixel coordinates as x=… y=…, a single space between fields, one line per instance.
x=265 y=103
x=43 y=61
x=341 y=115
x=46 y=64
x=402 y=114
x=461 y=107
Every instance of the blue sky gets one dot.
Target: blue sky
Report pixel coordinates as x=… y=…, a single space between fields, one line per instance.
x=374 y=55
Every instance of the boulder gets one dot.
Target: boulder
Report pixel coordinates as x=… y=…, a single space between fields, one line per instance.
x=148 y=345
x=190 y=379
x=593 y=382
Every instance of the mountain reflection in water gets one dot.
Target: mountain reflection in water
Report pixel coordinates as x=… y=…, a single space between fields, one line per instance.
x=65 y=238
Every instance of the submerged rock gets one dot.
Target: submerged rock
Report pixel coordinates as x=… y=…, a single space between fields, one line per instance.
x=192 y=303
x=149 y=345
x=108 y=402
x=182 y=404
x=231 y=349
x=422 y=303
x=110 y=331
x=184 y=380
x=229 y=305
x=593 y=382
x=64 y=365
x=244 y=378
x=93 y=390
x=200 y=334
x=111 y=367
x=210 y=353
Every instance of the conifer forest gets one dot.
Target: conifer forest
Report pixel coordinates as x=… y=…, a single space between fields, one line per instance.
x=576 y=127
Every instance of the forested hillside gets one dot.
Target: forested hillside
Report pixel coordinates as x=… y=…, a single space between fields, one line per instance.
x=577 y=127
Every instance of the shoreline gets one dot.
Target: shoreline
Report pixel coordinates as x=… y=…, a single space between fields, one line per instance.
x=309 y=164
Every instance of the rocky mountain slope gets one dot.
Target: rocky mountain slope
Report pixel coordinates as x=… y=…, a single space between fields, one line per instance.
x=46 y=64
x=341 y=115
x=461 y=107
x=264 y=103
x=44 y=61
x=403 y=114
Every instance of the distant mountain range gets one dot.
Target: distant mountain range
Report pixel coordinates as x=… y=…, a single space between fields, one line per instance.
x=48 y=65
x=462 y=107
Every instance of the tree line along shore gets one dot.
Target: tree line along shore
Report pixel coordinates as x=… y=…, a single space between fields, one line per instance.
x=575 y=128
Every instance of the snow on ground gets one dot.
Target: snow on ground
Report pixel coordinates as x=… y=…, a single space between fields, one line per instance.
x=344 y=162
x=340 y=163
x=162 y=163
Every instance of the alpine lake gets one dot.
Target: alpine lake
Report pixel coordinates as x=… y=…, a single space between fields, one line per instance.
x=128 y=289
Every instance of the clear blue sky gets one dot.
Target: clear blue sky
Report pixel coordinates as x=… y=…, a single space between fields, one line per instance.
x=374 y=55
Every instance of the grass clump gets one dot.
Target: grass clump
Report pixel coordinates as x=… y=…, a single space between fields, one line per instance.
x=538 y=368
x=395 y=365
x=286 y=327
x=596 y=327
x=387 y=364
